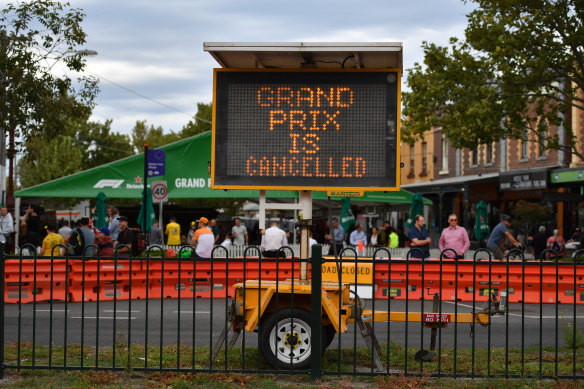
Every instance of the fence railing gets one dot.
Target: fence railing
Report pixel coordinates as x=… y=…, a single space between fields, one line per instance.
x=475 y=317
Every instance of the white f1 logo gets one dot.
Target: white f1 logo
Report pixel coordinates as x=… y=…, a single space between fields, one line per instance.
x=111 y=183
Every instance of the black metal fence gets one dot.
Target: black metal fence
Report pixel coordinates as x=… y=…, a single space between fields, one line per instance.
x=439 y=317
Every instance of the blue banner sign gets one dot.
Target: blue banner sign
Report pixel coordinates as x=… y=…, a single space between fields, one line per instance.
x=156 y=160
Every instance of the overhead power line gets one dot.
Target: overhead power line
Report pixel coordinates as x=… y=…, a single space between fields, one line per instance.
x=150 y=99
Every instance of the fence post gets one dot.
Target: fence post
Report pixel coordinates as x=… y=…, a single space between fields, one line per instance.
x=315 y=310
x=2 y=289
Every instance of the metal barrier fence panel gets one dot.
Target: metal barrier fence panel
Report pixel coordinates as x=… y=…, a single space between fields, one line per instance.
x=376 y=315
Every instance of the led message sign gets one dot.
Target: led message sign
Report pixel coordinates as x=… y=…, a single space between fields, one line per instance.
x=306 y=129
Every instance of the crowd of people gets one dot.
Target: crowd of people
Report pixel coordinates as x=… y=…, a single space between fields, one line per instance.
x=204 y=234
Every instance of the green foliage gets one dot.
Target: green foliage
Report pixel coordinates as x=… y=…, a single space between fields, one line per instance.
x=519 y=67
x=36 y=36
x=202 y=121
x=573 y=339
x=529 y=213
x=153 y=136
x=56 y=158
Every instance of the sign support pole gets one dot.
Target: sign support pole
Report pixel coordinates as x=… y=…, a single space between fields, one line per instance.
x=145 y=188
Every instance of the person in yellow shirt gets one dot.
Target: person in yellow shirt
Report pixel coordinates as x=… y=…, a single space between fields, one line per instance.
x=173 y=232
x=393 y=239
x=51 y=240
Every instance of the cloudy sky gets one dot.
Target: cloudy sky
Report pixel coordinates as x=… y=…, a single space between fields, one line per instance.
x=150 y=53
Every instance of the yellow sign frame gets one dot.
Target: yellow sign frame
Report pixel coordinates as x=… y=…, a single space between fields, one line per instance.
x=351 y=189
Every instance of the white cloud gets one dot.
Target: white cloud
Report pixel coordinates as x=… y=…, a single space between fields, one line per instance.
x=155 y=48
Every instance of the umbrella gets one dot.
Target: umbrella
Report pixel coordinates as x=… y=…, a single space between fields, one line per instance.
x=481 y=229
x=417 y=208
x=347 y=217
x=150 y=215
x=101 y=212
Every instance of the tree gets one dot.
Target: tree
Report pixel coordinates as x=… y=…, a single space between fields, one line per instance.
x=202 y=121
x=517 y=72
x=153 y=136
x=99 y=144
x=530 y=213
x=79 y=146
x=34 y=37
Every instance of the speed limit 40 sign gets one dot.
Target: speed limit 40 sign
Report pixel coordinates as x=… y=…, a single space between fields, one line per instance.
x=159 y=192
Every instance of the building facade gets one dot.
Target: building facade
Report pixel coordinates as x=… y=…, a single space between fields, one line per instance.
x=510 y=176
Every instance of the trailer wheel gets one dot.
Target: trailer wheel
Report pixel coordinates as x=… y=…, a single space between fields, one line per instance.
x=328 y=333
x=285 y=339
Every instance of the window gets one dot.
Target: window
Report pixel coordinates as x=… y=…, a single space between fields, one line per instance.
x=412 y=159
x=444 y=154
x=524 y=142
x=475 y=156
x=489 y=158
x=542 y=133
x=424 y=157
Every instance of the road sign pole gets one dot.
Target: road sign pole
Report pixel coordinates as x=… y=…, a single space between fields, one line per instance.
x=145 y=187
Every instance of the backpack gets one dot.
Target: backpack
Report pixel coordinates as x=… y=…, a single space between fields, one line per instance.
x=76 y=243
x=556 y=246
x=139 y=242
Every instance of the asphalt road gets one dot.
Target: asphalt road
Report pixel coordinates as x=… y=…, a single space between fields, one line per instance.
x=170 y=321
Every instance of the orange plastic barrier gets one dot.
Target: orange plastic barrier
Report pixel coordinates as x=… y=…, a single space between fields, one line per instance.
x=122 y=279
x=75 y=280
x=206 y=279
x=534 y=284
x=23 y=288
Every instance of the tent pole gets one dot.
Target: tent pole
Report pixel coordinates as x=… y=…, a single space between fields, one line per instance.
x=160 y=214
x=17 y=226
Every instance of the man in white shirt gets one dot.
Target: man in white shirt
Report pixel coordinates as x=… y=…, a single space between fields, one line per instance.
x=357 y=235
x=272 y=240
x=311 y=242
x=6 y=226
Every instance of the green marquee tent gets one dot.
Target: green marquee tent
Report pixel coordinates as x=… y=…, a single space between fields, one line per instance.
x=186 y=175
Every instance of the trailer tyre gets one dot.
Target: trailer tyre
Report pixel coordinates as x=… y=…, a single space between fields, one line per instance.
x=285 y=339
x=329 y=334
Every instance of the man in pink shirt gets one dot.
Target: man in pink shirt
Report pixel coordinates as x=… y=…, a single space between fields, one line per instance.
x=454 y=237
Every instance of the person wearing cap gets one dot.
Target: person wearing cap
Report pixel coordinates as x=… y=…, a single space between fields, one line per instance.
x=497 y=238
x=173 y=232
x=105 y=243
x=125 y=237
x=51 y=240
x=88 y=237
x=194 y=227
x=203 y=239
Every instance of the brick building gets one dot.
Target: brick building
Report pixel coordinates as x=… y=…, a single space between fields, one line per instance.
x=501 y=174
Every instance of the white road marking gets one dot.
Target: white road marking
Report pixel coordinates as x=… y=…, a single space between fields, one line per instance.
x=203 y=312
x=103 y=317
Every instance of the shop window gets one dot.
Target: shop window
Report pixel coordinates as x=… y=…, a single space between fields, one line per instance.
x=424 y=157
x=524 y=143
x=412 y=161
x=444 y=155
x=542 y=133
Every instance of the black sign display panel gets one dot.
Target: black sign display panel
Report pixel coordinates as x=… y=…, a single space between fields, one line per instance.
x=306 y=129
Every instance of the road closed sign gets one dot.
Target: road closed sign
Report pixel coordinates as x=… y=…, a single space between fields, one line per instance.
x=159 y=192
